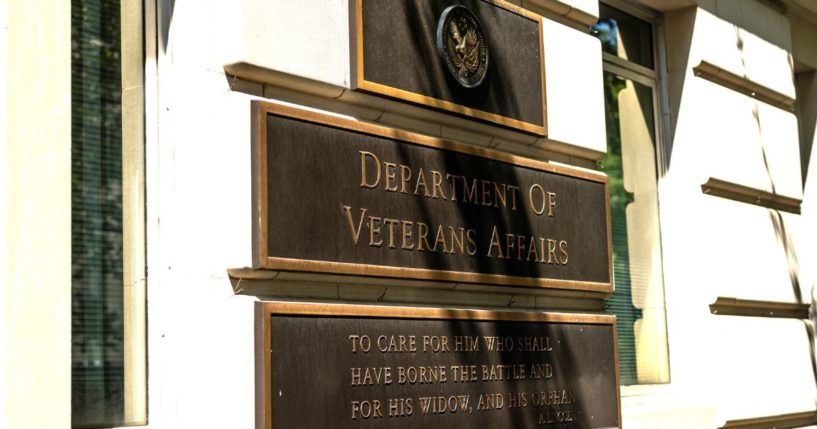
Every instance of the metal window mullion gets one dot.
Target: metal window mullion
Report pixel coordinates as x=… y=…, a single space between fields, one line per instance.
x=641 y=13
x=609 y=58
x=628 y=74
x=664 y=145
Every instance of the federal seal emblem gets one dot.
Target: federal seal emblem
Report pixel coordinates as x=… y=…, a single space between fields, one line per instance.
x=461 y=46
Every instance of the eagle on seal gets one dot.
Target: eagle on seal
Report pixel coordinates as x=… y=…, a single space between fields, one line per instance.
x=463 y=50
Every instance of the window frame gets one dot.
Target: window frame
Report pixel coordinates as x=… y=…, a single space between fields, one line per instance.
x=656 y=80
x=133 y=28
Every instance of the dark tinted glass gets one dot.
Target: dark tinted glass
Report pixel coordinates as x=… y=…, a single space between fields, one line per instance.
x=97 y=371
x=624 y=36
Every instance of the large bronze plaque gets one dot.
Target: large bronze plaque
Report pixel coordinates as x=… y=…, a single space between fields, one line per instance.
x=338 y=366
x=344 y=197
x=395 y=43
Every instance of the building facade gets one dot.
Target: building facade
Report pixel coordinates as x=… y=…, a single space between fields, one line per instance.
x=132 y=281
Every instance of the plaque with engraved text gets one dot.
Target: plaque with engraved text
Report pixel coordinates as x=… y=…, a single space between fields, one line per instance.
x=341 y=366
x=338 y=196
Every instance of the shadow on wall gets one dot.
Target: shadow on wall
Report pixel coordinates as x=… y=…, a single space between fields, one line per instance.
x=805 y=85
x=776 y=218
x=746 y=14
x=679 y=32
x=166 y=9
x=680 y=26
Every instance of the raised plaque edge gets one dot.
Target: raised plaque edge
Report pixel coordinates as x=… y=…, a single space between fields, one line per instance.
x=260 y=110
x=360 y=83
x=265 y=309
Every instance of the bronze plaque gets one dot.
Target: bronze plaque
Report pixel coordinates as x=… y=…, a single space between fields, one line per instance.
x=339 y=366
x=480 y=58
x=340 y=196
x=462 y=47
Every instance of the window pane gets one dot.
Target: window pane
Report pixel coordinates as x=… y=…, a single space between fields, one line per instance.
x=624 y=36
x=97 y=376
x=638 y=300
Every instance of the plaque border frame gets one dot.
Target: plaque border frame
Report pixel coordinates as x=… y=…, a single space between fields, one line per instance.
x=265 y=309
x=261 y=258
x=359 y=82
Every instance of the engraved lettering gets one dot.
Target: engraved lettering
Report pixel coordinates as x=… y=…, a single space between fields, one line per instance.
x=400 y=407
x=495 y=244
x=540 y=371
x=520 y=246
x=509 y=245
x=563 y=250
x=366 y=409
x=391 y=223
x=360 y=342
x=405 y=177
x=435 y=344
x=533 y=252
x=440 y=239
x=501 y=193
x=469 y=194
x=470 y=235
x=457 y=239
x=453 y=180
x=491 y=401
x=551 y=203
x=498 y=344
x=437 y=185
x=517 y=399
x=371 y=376
x=421 y=375
x=533 y=344
x=364 y=182
x=464 y=373
x=374 y=231
x=397 y=343
x=391 y=173
x=503 y=372
x=355 y=231
x=535 y=194
x=466 y=343
x=486 y=193
x=421 y=181
x=514 y=193
x=408 y=244
x=422 y=232
x=444 y=404
x=552 y=251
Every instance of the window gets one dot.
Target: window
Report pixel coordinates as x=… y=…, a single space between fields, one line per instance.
x=107 y=225
x=630 y=91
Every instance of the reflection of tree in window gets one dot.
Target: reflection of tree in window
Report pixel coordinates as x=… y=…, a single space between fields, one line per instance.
x=621 y=301
x=97 y=379
x=607 y=31
x=630 y=165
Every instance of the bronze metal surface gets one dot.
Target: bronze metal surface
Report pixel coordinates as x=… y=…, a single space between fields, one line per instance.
x=333 y=195
x=725 y=306
x=782 y=421
x=741 y=84
x=344 y=366
x=745 y=194
x=394 y=44
x=461 y=45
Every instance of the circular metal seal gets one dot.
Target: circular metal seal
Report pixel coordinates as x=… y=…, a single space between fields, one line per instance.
x=461 y=46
